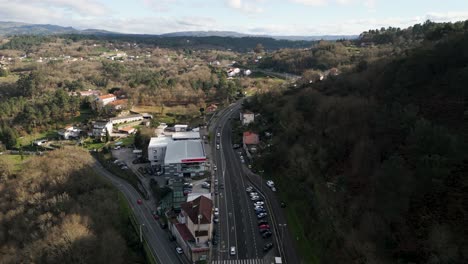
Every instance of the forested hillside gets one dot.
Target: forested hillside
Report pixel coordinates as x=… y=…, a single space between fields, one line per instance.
x=57 y=210
x=374 y=162
x=370 y=46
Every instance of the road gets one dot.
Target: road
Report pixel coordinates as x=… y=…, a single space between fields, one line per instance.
x=238 y=222
x=157 y=238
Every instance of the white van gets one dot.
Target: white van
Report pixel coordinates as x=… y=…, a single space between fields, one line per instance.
x=233 y=251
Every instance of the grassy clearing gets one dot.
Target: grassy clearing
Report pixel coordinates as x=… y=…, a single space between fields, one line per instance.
x=15 y=160
x=28 y=139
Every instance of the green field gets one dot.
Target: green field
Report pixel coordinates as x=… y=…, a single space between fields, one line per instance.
x=15 y=161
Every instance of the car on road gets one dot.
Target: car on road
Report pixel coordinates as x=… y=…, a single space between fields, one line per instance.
x=215 y=167
x=232 y=251
x=217 y=146
x=235 y=146
x=270 y=183
x=117 y=147
x=218 y=134
x=221 y=186
x=249 y=189
x=263 y=231
x=252 y=194
x=267 y=247
x=261 y=215
x=216 y=211
x=273 y=189
x=216 y=220
x=283 y=204
x=155 y=215
x=262 y=222
x=254 y=198
x=264 y=227
x=139 y=201
x=179 y=250
x=205 y=185
x=258 y=207
x=267 y=234
x=259 y=203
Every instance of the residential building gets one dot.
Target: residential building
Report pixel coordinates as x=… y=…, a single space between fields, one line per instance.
x=118 y=104
x=194 y=227
x=126 y=119
x=103 y=100
x=69 y=132
x=180 y=128
x=211 y=108
x=250 y=138
x=247 y=117
x=100 y=128
x=128 y=130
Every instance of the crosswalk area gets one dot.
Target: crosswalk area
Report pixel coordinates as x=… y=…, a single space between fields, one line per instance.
x=240 y=261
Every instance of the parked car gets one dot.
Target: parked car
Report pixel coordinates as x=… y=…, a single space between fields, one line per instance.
x=267 y=234
x=261 y=215
x=215 y=168
x=249 y=189
x=179 y=250
x=217 y=146
x=254 y=198
x=259 y=203
x=267 y=247
x=253 y=194
x=216 y=220
x=262 y=222
x=139 y=201
x=273 y=189
x=264 y=227
x=216 y=211
x=205 y=185
x=270 y=183
x=263 y=231
x=218 y=134
x=117 y=147
x=232 y=251
x=283 y=204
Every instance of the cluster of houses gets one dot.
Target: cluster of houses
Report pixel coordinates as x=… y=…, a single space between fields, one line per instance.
x=233 y=72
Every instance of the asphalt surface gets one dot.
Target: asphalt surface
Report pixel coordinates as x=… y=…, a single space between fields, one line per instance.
x=238 y=222
x=157 y=238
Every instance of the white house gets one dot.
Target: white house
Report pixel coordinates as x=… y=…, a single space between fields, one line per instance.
x=103 y=100
x=69 y=132
x=100 y=128
x=247 y=117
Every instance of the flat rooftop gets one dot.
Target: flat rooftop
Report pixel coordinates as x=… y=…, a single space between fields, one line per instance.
x=185 y=151
x=186 y=135
x=159 y=141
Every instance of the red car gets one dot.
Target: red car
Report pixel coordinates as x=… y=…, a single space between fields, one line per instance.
x=264 y=227
x=139 y=201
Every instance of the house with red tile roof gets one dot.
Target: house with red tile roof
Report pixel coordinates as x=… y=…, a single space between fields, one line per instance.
x=250 y=138
x=194 y=227
x=103 y=100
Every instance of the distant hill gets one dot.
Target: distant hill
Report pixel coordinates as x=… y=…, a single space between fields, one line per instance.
x=19 y=28
x=241 y=35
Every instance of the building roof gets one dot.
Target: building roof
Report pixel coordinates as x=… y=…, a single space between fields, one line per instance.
x=186 y=135
x=106 y=96
x=184 y=232
x=184 y=151
x=247 y=112
x=126 y=117
x=201 y=206
x=127 y=129
x=119 y=102
x=159 y=141
x=250 y=138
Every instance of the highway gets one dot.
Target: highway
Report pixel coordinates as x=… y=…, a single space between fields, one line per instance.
x=238 y=222
x=157 y=238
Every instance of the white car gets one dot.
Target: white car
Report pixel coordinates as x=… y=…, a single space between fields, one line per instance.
x=217 y=146
x=259 y=207
x=270 y=183
x=253 y=194
x=259 y=203
x=219 y=134
x=233 y=251
x=179 y=250
x=215 y=167
x=216 y=211
x=254 y=198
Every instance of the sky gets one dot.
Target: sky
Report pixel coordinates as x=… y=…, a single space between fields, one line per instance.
x=272 y=17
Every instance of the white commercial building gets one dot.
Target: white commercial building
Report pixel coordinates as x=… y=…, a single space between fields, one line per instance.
x=181 y=154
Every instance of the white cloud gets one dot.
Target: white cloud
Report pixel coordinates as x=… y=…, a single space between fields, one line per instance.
x=310 y=2
x=245 y=6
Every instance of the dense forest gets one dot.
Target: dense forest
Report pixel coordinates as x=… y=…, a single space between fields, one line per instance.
x=243 y=44
x=370 y=46
x=57 y=210
x=374 y=162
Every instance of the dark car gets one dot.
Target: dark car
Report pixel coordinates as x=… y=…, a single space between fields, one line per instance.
x=262 y=222
x=267 y=234
x=283 y=204
x=263 y=231
x=268 y=246
x=139 y=201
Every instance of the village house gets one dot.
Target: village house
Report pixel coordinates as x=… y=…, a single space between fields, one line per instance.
x=103 y=100
x=69 y=132
x=101 y=128
x=250 y=138
x=247 y=117
x=193 y=228
x=211 y=108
